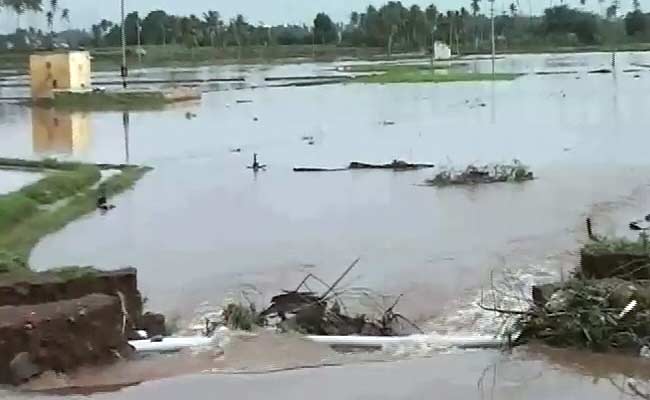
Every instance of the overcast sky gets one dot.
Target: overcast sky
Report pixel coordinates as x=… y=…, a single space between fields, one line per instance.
x=86 y=12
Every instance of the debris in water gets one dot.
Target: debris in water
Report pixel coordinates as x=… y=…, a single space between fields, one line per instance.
x=317 y=169
x=244 y=101
x=600 y=71
x=255 y=119
x=307 y=138
x=305 y=311
x=102 y=204
x=395 y=165
x=190 y=115
x=235 y=150
x=256 y=166
x=388 y=122
x=472 y=175
x=311 y=142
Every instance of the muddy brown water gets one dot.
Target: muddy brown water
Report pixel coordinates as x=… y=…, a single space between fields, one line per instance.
x=201 y=226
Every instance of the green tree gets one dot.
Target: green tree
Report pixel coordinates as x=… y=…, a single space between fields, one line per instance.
x=391 y=17
x=213 y=24
x=19 y=7
x=475 y=7
x=155 y=28
x=564 y=20
x=324 y=29
x=513 y=10
x=65 y=16
x=635 y=23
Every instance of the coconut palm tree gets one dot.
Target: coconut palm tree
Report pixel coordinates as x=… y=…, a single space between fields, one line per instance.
x=65 y=16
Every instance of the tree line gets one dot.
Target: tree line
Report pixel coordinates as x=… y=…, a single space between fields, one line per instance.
x=393 y=26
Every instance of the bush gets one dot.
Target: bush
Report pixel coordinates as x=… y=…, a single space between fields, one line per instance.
x=11 y=262
x=15 y=207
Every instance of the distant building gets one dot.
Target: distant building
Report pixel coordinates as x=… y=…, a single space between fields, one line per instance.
x=59 y=71
x=441 y=51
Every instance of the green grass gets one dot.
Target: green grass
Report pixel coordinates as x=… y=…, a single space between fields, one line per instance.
x=419 y=75
x=15 y=207
x=19 y=239
x=61 y=185
x=73 y=272
x=617 y=245
x=47 y=163
x=117 y=100
x=383 y=67
x=18 y=206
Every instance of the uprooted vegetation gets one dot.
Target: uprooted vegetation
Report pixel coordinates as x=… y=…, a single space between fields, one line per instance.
x=604 y=306
x=472 y=175
x=600 y=315
x=307 y=312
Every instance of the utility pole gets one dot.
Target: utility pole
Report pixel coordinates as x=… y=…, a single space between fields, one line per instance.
x=313 y=43
x=493 y=40
x=125 y=125
x=123 y=71
x=139 y=50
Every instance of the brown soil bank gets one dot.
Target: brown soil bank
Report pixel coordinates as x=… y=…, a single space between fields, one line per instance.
x=54 y=287
x=60 y=336
x=73 y=318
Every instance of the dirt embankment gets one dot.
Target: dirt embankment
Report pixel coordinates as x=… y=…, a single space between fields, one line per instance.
x=60 y=336
x=52 y=323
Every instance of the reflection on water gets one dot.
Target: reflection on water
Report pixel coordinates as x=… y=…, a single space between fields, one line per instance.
x=60 y=132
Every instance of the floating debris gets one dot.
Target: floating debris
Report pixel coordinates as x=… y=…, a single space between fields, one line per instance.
x=597 y=314
x=310 y=313
x=473 y=175
x=307 y=138
x=395 y=165
x=256 y=166
x=388 y=123
x=317 y=169
x=600 y=71
x=244 y=101
x=190 y=115
x=235 y=150
x=255 y=119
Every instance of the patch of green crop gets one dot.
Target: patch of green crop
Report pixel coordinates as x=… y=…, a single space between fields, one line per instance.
x=419 y=75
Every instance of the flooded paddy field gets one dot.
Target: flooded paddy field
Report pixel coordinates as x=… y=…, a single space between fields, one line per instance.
x=201 y=226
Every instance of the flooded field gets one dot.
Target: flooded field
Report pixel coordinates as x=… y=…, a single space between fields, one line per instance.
x=14 y=180
x=202 y=226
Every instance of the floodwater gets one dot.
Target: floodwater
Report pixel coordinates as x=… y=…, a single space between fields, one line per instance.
x=201 y=226
x=14 y=180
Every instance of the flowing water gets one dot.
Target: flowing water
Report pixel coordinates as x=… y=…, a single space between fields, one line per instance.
x=201 y=226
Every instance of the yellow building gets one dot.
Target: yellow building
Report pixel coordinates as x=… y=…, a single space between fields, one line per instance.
x=59 y=132
x=59 y=71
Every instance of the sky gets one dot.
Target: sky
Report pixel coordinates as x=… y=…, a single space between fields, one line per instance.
x=84 y=13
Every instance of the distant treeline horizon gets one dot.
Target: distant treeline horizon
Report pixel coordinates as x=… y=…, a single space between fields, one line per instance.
x=392 y=26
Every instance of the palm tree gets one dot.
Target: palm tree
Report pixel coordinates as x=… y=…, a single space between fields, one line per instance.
x=49 y=16
x=65 y=16
x=354 y=18
x=19 y=9
x=476 y=8
x=513 y=9
x=212 y=20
